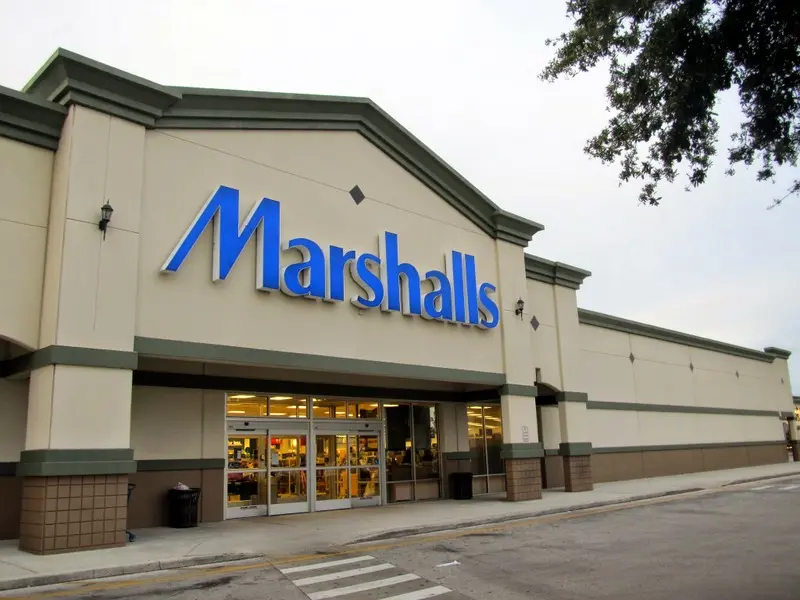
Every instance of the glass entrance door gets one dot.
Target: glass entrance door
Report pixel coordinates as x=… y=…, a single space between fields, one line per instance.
x=347 y=470
x=247 y=475
x=288 y=473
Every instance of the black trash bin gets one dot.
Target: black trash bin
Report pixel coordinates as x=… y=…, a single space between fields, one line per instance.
x=461 y=485
x=182 y=507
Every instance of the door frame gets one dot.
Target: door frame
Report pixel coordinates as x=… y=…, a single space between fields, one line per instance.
x=348 y=427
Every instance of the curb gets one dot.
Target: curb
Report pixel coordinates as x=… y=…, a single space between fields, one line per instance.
x=412 y=531
x=158 y=565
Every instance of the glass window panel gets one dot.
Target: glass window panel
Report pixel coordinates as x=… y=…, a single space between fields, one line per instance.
x=247 y=405
x=247 y=489
x=326 y=408
x=398 y=442
x=332 y=484
x=364 y=482
x=287 y=451
x=426 y=447
x=247 y=452
x=331 y=450
x=477 y=440
x=289 y=486
x=364 y=410
x=493 y=420
x=287 y=406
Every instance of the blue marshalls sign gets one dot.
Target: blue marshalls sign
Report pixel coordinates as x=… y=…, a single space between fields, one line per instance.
x=386 y=283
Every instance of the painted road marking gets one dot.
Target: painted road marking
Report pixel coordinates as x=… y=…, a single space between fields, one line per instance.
x=362 y=587
x=342 y=575
x=790 y=487
x=83 y=588
x=763 y=487
x=325 y=565
x=421 y=594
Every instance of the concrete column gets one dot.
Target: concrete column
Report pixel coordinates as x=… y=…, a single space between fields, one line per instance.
x=522 y=450
x=77 y=453
x=794 y=437
x=575 y=448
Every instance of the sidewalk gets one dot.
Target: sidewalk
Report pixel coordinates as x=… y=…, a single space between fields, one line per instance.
x=270 y=538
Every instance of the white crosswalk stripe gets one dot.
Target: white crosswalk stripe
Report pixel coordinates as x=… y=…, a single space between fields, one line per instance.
x=763 y=487
x=789 y=488
x=361 y=577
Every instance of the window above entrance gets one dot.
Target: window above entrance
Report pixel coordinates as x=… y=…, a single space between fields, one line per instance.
x=300 y=407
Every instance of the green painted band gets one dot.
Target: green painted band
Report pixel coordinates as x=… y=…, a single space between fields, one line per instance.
x=518 y=450
x=46 y=463
x=458 y=455
x=180 y=464
x=69 y=356
x=514 y=389
x=551 y=452
x=679 y=408
x=596 y=319
x=274 y=358
x=577 y=397
x=575 y=448
x=663 y=448
x=241 y=384
x=778 y=352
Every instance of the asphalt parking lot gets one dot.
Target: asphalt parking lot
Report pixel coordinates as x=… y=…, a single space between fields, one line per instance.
x=740 y=544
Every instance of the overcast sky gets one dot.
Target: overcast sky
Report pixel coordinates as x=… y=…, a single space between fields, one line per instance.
x=462 y=76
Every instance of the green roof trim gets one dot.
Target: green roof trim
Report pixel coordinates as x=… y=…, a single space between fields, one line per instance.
x=30 y=120
x=67 y=79
x=778 y=352
x=554 y=273
x=596 y=319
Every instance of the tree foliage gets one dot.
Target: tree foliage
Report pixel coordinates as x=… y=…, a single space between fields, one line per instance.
x=669 y=61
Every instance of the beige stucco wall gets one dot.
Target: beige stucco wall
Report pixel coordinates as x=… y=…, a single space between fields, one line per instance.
x=14 y=402
x=169 y=423
x=25 y=174
x=660 y=374
x=310 y=173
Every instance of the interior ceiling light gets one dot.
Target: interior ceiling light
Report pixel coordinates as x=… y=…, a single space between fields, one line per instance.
x=391 y=405
x=236 y=412
x=241 y=396
x=280 y=397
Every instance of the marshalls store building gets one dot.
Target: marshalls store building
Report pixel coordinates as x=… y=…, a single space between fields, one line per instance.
x=294 y=305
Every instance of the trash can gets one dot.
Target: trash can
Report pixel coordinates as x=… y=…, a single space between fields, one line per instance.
x=461 y=485
x=182 y=507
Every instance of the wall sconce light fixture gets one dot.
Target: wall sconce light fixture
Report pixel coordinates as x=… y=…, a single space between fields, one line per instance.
x=520 y=307
x=105 y=217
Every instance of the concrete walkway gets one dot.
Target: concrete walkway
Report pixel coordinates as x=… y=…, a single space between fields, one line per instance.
x=270 y=538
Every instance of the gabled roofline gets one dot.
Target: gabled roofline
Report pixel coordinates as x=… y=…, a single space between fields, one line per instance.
x=596 y=319
x=67 y=79
x=554 y=273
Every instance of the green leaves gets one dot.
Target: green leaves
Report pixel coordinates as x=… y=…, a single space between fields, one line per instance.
x=668 y=61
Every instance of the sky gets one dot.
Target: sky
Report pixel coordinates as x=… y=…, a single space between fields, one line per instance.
x=462 y=76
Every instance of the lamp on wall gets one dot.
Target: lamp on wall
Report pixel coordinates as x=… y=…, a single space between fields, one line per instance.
x=105 y=217
x=520 y=307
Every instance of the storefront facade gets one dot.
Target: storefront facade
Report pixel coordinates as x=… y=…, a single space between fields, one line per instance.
x=296 y=306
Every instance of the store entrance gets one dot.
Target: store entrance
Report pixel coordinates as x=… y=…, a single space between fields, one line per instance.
x=347 y=468
x=267 y=472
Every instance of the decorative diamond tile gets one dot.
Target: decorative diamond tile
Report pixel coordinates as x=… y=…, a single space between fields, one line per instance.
x=691 y=367
x=781 y=380
x=737 y=374
x=357 y=195
x=535 y=323
x=632 y=357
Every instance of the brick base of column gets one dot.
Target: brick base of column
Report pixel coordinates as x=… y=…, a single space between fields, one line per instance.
x=523 y=479
x=795 y=451
x=65 y=514
x=578 y=473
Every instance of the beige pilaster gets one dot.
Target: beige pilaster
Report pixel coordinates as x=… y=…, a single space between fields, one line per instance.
x=522 y=450
x=79 y=406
